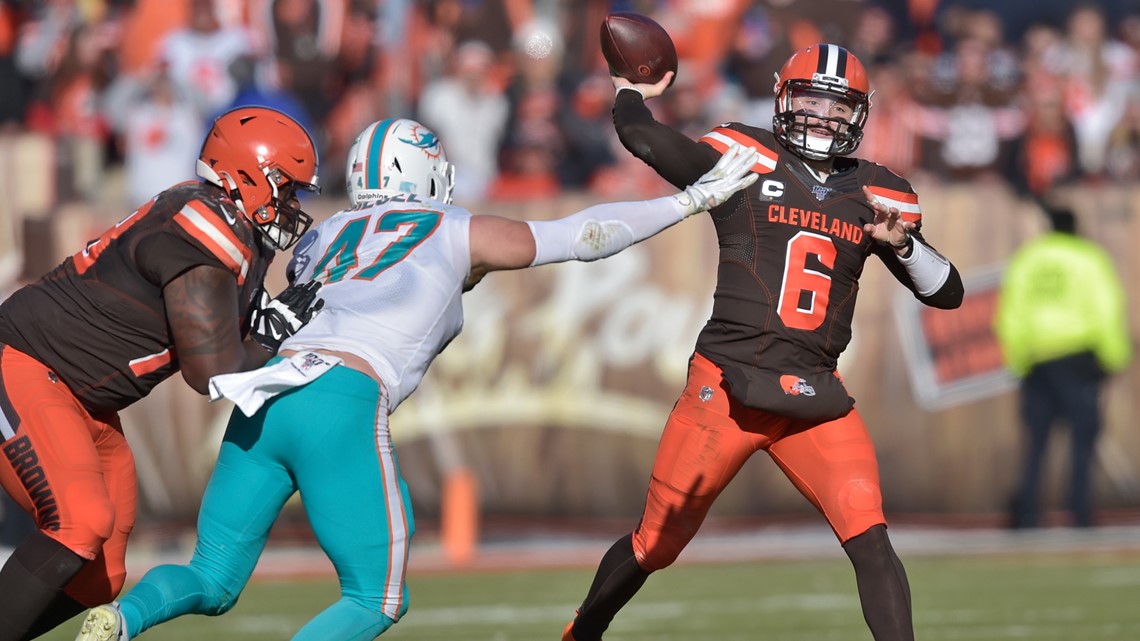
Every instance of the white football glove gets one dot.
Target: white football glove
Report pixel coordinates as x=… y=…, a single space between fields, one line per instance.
x=274 y=320
x=731 y=173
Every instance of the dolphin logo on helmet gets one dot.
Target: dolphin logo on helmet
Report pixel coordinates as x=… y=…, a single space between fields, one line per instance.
x=425 y=139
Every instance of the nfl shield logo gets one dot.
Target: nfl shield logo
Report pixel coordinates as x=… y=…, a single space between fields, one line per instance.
x=820 y=192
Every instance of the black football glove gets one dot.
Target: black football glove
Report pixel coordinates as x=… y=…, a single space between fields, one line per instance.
x=275 y=320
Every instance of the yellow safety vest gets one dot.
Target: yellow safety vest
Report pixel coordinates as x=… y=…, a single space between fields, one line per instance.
x=1060 y=295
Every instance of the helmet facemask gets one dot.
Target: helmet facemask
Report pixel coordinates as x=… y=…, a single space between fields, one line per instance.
x=802 y=126
x=282 y=221
x=822 y=101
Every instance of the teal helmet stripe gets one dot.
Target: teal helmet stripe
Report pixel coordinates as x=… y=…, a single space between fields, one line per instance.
x=375 y=146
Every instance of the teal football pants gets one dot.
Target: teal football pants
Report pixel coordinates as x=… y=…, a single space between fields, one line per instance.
x=328 y=440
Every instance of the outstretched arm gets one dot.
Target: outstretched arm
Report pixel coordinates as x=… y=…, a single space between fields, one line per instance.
x=602 y=230
x=673 y=155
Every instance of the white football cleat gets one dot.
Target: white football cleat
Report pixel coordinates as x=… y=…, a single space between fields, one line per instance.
x=103 y=623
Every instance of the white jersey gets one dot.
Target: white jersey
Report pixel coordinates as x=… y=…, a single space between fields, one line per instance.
x=393 y=274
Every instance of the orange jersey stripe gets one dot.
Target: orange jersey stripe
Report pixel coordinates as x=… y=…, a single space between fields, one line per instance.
x=147 y=364
x=906 y=203
x=722 y=137
x=207 y=228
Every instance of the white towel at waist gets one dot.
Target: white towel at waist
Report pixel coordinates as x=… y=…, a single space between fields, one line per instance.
x=250 y=390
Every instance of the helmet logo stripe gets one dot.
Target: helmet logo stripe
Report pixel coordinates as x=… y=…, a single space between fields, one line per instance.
x=840 y=61
x=375 y=146
x=821 y=59
x=832 y=61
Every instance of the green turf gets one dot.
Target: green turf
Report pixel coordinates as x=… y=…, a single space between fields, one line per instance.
x=979 y=598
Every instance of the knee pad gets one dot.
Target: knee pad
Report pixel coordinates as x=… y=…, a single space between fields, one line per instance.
x=386 y=621
x=363 y=616
x=860 y=508
x=85 y=532
x=658 y=551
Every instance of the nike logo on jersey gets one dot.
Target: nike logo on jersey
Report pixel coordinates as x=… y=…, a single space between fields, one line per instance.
x=230 y=218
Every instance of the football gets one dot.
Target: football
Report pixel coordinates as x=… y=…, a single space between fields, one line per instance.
x=637 y=48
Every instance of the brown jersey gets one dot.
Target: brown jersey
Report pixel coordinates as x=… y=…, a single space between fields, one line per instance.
x=98 y=320
x=792 y=249
x=791 y=253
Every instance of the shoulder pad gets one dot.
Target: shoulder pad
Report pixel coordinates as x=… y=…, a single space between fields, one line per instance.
x=894 y=191
x=221 y=230
x=759 y=139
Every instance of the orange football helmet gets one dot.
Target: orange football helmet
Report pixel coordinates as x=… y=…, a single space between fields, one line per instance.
x=831 y=72
x=262 y=158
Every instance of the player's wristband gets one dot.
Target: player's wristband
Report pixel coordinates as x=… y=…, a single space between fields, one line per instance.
x=927 y=268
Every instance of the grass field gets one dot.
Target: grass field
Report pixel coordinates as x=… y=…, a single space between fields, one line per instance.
x=1033 y=597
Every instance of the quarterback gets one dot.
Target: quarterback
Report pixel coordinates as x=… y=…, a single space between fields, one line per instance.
x=763 y=375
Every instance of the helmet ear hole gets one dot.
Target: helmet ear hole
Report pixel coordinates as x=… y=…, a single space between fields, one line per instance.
x=246 y=178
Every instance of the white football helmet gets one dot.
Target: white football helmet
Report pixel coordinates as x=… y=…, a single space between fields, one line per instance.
x=398 y=155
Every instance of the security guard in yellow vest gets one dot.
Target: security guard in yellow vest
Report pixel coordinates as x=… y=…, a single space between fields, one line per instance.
x=1062 y=326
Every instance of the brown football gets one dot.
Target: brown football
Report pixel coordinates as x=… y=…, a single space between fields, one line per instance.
x=637 y=48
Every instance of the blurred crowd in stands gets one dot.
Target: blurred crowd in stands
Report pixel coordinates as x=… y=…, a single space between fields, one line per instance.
x=1034 y=93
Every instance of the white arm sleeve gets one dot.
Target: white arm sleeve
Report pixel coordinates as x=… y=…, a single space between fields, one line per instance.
x=603 y=230
x=927 y=268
